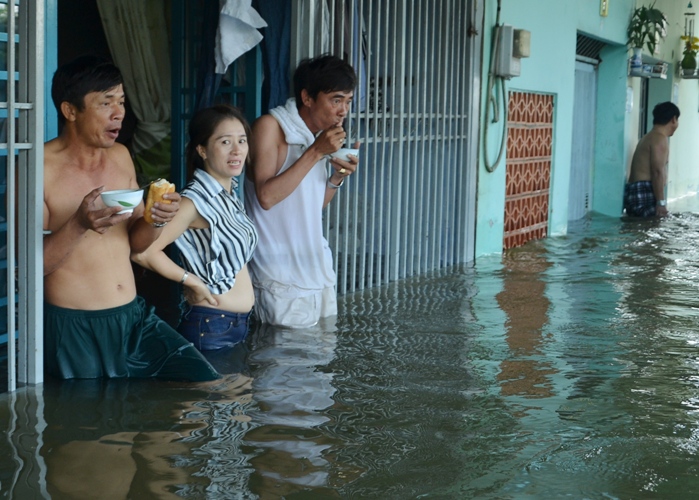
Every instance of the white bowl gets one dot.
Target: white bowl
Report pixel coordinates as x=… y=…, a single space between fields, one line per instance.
x=127 y=198
x=343 y=152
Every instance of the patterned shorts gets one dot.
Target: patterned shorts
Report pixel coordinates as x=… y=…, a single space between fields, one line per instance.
x=639 y=199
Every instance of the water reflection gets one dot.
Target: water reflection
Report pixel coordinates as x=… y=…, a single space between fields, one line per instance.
x=524 y=302
x=123 y=439
x=292 y=387
x=23 y=471
x=567 y=368
x=404 y=386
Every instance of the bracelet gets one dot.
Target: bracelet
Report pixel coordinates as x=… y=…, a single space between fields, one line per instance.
x=333 y=186
x=159 y=224
x=184 y=278
x=662 y=203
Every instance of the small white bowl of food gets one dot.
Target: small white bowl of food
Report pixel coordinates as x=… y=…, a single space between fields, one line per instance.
x=126 y=198
x=342 y=153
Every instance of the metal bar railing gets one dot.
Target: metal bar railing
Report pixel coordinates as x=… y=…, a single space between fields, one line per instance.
x=24 y=117
x=365 y=10
x=376 y=167
x=31 y=169
x=420 y=222
x=410 y=167
x=411 y=204
x=357 y=56
x=11 y=202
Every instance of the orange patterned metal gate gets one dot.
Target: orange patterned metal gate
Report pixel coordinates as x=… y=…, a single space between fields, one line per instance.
x=528 y=164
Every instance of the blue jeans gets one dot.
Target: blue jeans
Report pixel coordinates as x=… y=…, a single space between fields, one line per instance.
x=210 y=329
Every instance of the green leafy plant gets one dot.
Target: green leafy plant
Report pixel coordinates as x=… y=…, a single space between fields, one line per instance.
x=646 y=27
x=691 y=47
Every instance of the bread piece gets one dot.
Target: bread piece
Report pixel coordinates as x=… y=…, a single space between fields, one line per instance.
x=156 y=190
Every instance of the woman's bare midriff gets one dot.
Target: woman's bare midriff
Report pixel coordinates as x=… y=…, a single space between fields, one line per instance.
x=239 y=299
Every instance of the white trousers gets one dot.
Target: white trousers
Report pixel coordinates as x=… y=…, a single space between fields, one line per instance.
x=294 y=312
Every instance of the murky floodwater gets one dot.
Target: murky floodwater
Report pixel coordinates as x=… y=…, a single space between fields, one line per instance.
x=567 y=368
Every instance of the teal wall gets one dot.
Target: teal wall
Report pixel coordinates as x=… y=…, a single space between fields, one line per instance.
x=551 y=69
x=683 y=170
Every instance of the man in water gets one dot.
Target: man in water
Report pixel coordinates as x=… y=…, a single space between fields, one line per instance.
x=644 y=194
x=94 y=323
x=288 y=187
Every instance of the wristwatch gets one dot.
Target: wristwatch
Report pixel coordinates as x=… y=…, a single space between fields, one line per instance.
x=662 y=203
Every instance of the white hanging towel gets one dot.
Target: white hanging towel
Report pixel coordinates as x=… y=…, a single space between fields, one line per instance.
x=237 y=32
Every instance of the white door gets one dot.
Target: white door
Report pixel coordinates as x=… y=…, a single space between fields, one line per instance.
x=582 y=157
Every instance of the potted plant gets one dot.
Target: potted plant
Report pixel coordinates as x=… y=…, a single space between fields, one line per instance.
x=646 y=27
x=689 y=55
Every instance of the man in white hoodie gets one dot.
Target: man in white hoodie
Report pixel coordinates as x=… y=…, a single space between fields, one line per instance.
x=288 y=186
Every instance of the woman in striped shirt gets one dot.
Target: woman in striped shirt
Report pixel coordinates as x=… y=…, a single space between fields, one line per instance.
x=215 y=237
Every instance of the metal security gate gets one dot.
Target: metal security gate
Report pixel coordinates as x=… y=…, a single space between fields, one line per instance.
x=21 y=158
x=528 y=178
x=410 y=208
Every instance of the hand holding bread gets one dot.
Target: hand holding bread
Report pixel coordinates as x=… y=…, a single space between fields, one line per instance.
x=156 y=191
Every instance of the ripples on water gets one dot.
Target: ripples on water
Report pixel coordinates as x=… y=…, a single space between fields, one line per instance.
x=568 y=367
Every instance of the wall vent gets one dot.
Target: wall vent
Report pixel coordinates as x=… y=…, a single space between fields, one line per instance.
x=588 y=49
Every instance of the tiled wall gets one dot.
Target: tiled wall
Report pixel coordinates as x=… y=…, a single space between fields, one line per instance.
x=528 y=164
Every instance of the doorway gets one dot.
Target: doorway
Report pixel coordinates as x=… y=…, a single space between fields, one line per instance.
x=583 y=143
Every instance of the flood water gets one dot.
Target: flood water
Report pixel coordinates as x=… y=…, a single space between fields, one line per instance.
x=566 y=368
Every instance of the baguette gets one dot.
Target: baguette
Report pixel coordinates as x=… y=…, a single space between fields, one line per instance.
x=156 y=190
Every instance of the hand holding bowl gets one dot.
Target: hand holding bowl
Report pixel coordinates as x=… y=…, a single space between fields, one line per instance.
x=341 y=154
x=127 y=198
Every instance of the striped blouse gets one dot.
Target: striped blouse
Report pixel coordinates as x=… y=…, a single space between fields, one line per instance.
x=217 y=253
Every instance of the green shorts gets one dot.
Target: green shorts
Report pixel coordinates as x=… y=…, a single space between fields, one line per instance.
x=125 y=341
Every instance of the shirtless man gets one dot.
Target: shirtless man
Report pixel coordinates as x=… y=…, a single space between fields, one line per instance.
x=94 y=323
x=644 y=194
x=287 y=188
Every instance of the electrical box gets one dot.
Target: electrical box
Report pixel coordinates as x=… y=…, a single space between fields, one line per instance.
x=511 y=46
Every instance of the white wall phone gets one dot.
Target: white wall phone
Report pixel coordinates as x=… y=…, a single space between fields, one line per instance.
x=512 y=45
